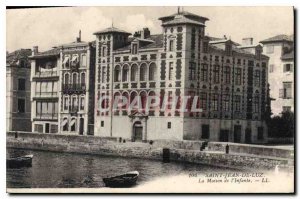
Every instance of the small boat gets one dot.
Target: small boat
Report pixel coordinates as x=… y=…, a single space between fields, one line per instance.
x=125 y=180
x=17 y=162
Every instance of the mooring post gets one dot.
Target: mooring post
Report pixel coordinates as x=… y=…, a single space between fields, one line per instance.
x=166 y=155
x=227 y=149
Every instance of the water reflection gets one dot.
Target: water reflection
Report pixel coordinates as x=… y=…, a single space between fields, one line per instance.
x=66 y=170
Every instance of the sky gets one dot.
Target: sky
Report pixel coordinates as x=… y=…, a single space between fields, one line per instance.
x=48 y=27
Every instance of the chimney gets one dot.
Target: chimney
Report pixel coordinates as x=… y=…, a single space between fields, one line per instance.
x=78 y=39
x=35 y=50
x=146 y=33
x=247 y=41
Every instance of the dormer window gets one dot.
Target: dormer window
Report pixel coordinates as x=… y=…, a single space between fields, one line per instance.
x=66 y=62
x=171 y=45
x=134 y=48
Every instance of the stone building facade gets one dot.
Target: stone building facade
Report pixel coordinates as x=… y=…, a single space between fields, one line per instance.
x=18 y=105
x=63 y=87
x=230 y=82
x=280 y=49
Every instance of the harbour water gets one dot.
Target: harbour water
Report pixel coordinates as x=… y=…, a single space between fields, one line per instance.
x=69 y=170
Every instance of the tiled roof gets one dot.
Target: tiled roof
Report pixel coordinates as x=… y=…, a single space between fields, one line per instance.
x=49 y=53
x=184 y=13
x=13 y=57
x=278 y=38
x=157 y=43
x=110 y=30
x=182 y=19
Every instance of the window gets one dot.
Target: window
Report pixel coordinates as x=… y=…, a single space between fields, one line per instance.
x=214 y=102
x=171 y=45
x=82 y=103
x=287 y=68
x=134 y=48
x=286 y=109
x=22 y=63
x=117 y=74
x=192 y=71
x=226 y=102
x=103 y=74
x=203 y=100
x=216 y=74
x=169 y=125
x=260 y=133
x=256 y=103
x=205 y=47
x=227 y=74
x=204 y=72
x=134 y=72
x=257 y=78
x=38 y=128
x=125 y=73
x=237 y=103
x=66 y=62
x=171 y=71
x=21 y=105
x=152 y=72
x=73 y=125
x=270 y=49
x=65 y=124
x=143 y=72
x=271 y=68
x=66 y=103
x=286 y=92
x=104 y=51
x=102 y=123
x=83 y=60
x=238 y=76
x=205 y=131
x=21 y=84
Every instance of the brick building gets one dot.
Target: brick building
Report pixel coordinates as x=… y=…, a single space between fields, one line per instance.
x=230 y=80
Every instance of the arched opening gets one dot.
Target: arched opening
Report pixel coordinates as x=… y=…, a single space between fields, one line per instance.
x=133 y=101
x=143 y=72
x=125 y=96
x=74 y=80
x=82 y=79
x=137 y=132
x=65 y=124
x=134 y=72
x=117 y=76
x=152 y=72
x=143 y=96
x=125 y=73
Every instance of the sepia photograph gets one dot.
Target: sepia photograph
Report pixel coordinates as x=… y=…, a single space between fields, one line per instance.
x=144 y=99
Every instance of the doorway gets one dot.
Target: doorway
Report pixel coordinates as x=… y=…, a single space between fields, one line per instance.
x=81 y=125
x=237 y=133
x=224 y=135
x=47 y=128
x=248 y=135
x=137 y=132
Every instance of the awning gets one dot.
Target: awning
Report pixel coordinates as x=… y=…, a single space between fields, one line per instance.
x=64 y=122
x=66 y=60
x=74 y=58
x=72 y=122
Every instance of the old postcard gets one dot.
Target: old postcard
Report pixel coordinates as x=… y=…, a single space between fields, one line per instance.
x=150 y=100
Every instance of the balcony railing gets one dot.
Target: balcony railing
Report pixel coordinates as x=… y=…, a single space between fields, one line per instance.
x=285 y=93
x=46 y=74
x=46 y=94
x=45 y=116
x=72 y=88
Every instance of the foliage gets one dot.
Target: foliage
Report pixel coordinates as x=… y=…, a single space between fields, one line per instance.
x=282 y=126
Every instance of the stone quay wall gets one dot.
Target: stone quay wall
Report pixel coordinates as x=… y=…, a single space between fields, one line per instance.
x=181 y=151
